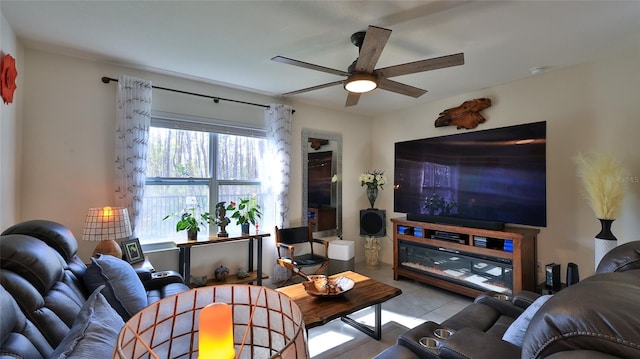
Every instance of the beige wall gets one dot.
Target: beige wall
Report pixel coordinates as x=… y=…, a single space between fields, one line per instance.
x=69 y=126
x=10 y=132
x=589 y=107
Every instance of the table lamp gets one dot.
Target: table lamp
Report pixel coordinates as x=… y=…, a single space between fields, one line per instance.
x=106 y=225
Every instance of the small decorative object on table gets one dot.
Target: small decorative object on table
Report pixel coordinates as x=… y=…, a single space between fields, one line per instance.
x=132 y=251
x=221 y=273
x=603 y=180
x=221 y=219
x=322 y=286
x=241 y=274
x=245 y=212
x=373 y=180
x=199 y=281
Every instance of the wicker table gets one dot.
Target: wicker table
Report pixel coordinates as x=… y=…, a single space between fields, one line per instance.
x=366 y=292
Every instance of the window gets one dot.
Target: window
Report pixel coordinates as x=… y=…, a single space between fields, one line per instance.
x=198 y=164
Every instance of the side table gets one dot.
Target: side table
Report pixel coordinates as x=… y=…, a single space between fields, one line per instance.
x=145 y=265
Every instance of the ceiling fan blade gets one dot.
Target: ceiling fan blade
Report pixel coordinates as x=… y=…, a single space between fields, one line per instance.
x=306 y=65
x=402 y=89
x=352 y=99
x=314 y=88
x=371 y=49
x=421 y=66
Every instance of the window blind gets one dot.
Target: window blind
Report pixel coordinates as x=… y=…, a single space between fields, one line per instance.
x=205 y=124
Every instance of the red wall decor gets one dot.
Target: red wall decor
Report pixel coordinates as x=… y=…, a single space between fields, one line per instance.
x=8 y=76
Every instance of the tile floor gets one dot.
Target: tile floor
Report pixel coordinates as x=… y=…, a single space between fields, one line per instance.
x=418 y=303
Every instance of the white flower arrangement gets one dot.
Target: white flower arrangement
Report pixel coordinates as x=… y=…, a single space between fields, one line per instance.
x=373 y=179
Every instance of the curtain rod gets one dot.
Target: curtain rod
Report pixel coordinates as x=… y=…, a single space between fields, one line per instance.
x=215 y=99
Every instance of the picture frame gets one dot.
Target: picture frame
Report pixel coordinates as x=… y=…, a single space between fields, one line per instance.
x=132 y=251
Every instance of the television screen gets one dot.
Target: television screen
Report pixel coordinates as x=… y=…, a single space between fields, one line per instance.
x=492 y=175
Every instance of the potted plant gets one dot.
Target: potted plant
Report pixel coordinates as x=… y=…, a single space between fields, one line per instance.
x=245 y=212
x=603 y=180
x=190 y=221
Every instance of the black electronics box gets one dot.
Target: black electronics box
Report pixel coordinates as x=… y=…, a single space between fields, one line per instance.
x=572 y=274
x=552 y=272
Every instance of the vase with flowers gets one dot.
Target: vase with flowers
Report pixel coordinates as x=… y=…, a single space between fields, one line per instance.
x=373 y=180
x=244 y=212
x=602 y=177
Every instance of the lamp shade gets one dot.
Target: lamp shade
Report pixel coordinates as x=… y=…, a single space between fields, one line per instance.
x=107 y=224
x=266 y=324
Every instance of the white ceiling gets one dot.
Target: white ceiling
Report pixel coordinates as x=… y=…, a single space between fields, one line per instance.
x=231 y=42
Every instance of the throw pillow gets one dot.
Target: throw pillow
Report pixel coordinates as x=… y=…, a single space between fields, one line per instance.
x=93 y=333
x=516 y=331
x=123 y=288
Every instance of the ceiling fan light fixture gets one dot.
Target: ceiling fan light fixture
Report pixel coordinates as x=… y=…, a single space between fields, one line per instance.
x=360 y=83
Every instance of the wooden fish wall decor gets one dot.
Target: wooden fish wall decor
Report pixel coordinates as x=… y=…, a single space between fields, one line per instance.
x=466 y=115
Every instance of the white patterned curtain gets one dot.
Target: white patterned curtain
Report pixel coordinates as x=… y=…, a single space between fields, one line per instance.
x=278 y=119
x=132 y=136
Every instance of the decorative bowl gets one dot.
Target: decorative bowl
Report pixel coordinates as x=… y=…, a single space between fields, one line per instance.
x=322 y=286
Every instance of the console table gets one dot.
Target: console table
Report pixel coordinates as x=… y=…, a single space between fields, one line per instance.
x=468 y=261
x=185 y=253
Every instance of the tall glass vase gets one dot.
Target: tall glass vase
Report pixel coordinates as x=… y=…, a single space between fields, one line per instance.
x=604 y=241
x=372 y=195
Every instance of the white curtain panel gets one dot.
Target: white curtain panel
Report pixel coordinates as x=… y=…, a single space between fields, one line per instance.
x=133 y=119
x=278 y=120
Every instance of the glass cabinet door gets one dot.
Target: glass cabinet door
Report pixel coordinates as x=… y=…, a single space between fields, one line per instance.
x=469 y=269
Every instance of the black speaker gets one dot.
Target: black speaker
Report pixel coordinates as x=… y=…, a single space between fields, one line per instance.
x=572 y=274
x=552 y=276
x=372 y=223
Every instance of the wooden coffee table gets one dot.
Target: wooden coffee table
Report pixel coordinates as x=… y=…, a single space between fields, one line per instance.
x=366 y=292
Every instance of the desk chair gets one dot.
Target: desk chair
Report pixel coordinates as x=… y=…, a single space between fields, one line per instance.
x=286 y=238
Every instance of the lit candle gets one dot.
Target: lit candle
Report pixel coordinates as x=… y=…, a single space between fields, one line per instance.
x=216 y=332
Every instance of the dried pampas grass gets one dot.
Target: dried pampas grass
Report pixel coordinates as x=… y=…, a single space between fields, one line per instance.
x=603 y=181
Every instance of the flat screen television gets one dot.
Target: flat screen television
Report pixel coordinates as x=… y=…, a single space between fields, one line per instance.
x=496 y=175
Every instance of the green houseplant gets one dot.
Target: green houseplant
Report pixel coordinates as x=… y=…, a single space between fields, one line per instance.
x=191 y=221
x=245 y=212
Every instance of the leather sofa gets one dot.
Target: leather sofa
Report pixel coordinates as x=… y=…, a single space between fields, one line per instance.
x=596 y=318
x=45 y=289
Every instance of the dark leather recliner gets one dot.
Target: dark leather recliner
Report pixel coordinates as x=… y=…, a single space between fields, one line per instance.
x=42 y=275
x=19 y=338
x=595 y=318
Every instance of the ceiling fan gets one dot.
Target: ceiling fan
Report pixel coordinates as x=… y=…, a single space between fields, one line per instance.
x=361 y=76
